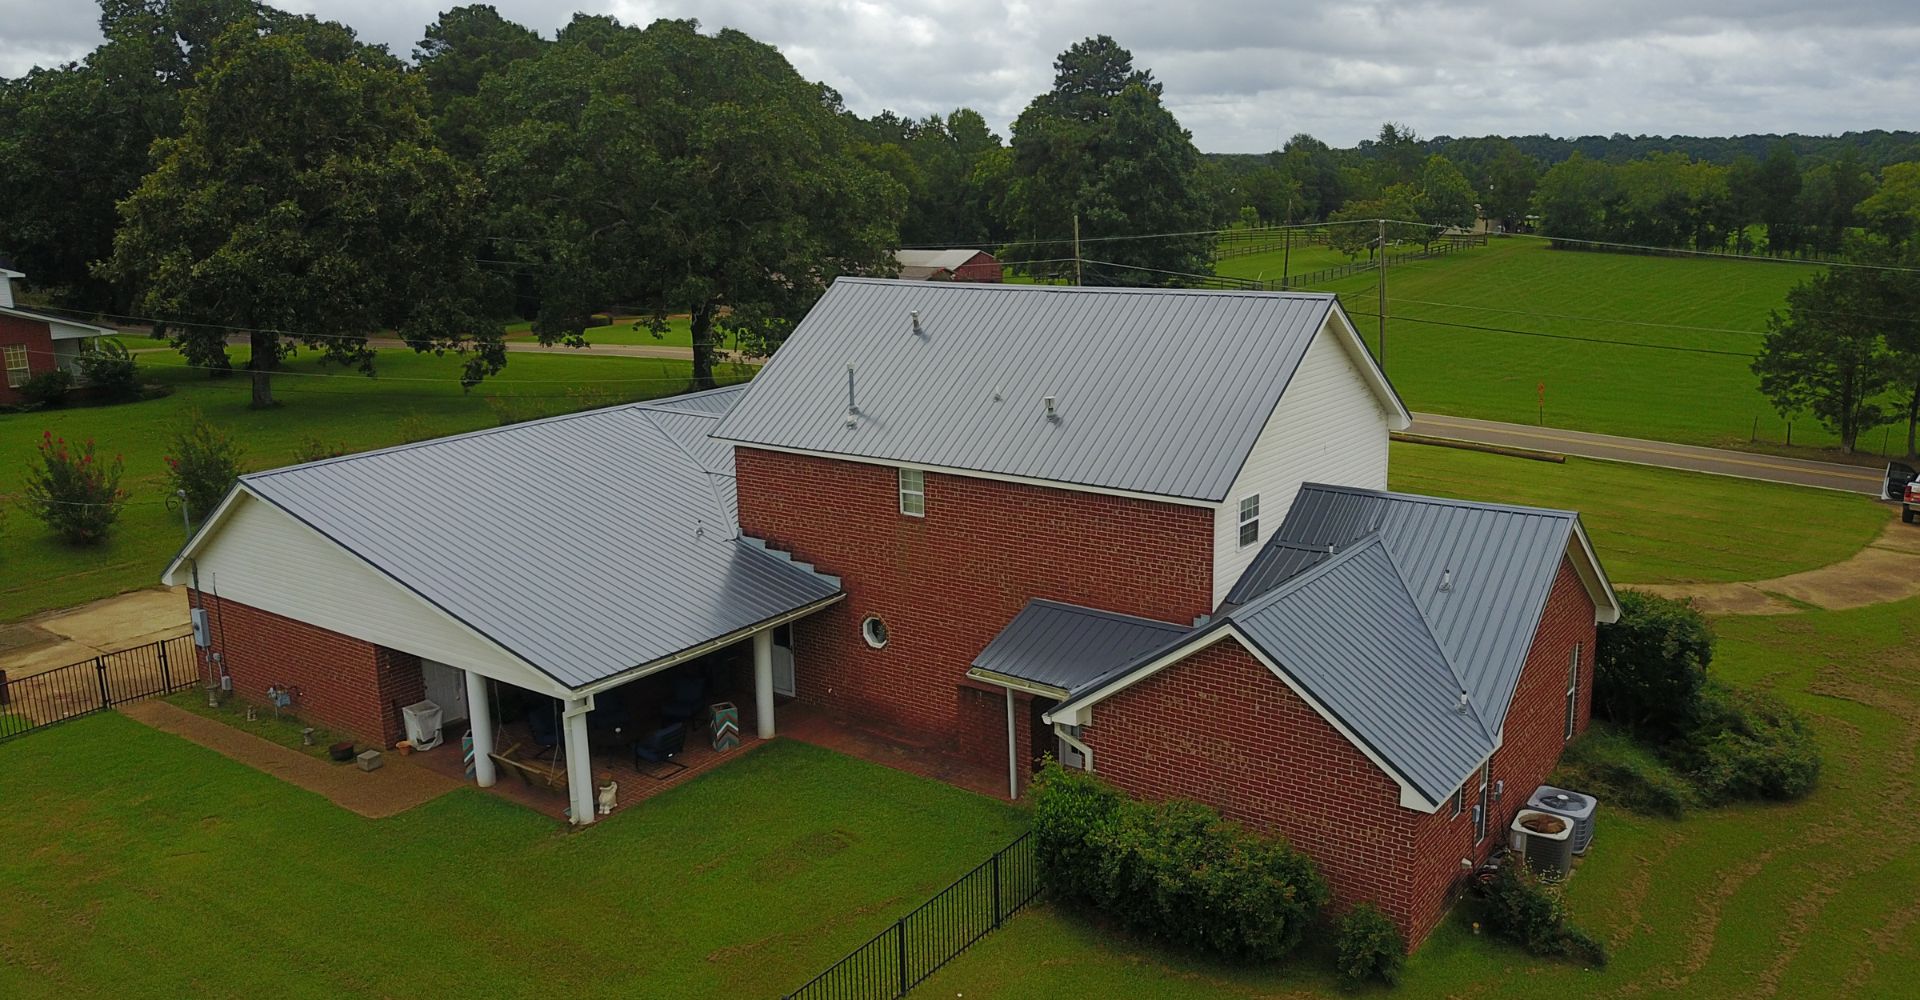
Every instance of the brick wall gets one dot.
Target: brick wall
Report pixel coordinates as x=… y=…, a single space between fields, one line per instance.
x=946 y=583
x=1219 y=728
x=340 y=682
x=37 y=338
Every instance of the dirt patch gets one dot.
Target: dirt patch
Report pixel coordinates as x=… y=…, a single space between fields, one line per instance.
x=1887 y=570
x=398 y=786
x=57 y=638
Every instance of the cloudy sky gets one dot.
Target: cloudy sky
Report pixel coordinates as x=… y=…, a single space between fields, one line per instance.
x=1243 y=74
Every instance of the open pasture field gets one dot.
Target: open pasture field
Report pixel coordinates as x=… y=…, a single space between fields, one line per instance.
x=1651 y=347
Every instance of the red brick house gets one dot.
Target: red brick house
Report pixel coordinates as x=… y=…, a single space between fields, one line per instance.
x=1145 y=531
x=32 y=344
x=948 y=265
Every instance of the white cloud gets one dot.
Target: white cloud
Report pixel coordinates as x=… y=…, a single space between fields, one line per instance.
x=1243 y=73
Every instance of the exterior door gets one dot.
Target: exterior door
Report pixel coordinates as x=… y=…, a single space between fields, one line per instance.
x=783 y=661
x=446 y=687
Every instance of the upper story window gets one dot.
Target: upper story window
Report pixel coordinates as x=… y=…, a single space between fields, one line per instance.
x=1249 y=520
x=17 y=368
x=913 y=492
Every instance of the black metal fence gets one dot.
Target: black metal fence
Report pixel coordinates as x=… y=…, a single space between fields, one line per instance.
x=918 y=944
x=42 y=699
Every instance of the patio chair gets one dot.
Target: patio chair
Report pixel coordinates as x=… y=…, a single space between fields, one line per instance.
x=543 y=721
x=656 y=753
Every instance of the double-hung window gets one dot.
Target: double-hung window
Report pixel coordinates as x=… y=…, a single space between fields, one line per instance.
x=18 y=371
x=1573 y=691
x=1249 y=520
x=913 y=492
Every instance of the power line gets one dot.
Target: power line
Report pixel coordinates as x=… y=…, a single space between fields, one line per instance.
x=1110 y=239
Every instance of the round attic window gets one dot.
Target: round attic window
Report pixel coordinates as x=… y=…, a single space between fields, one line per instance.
x=874 y=631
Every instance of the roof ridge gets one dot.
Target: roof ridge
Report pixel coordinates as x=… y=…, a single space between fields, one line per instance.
x=1433 y=637
x=987 y=286
x=1338 y=557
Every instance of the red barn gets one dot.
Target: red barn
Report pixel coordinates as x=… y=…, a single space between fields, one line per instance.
x=948 y=265
x=1144 y=530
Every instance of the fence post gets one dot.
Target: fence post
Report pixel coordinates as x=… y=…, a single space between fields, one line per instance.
x=900 y=938
x=5 y=697
x=166 y=670
x=100 y=670
x=996 y=888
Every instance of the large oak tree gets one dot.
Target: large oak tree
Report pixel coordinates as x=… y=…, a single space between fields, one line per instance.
x=304 y=203
x=668 y=170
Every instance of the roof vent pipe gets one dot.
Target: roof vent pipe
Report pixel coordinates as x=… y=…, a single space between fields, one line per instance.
x=916 y=320
x=1053 y=412
x=1446 y=580
x=852 y=409
x=1462 y=707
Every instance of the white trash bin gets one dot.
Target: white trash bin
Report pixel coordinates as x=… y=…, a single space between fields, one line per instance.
x=423 y=724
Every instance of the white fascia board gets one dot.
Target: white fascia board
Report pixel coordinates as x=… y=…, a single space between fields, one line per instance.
x=693 y=652
x=948 y=470
x=1080 y=713
x=1606 y=604
x=1008 y=681
x=1399 y=418
x=208 y=527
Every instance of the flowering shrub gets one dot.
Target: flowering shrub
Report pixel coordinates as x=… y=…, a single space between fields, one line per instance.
x=76 y=494
x=204 y=463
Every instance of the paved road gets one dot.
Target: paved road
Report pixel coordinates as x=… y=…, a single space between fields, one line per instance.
x=1719 y=461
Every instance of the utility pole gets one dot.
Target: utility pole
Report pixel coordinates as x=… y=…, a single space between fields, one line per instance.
x=1383 y=295
x=1076 y=249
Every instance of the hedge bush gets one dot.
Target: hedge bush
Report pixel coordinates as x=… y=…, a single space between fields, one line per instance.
x=1369 y=947
x=77 y=495
x=1747 y=744
x=1175 y=872
x=1649 y=666
x=109 y=368
x=48 y=389
x=1608 y=764
x=1518 y=906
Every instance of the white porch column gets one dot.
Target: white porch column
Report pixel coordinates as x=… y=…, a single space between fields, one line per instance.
x=1013 y=751
x=763 y=682
x=480 y=717
x=579 y=762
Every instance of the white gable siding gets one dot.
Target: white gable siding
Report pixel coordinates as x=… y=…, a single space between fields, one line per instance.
x=1328 y=427
x=265 y=558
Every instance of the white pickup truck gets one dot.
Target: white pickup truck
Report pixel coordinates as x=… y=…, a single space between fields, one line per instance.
x=1903 y=484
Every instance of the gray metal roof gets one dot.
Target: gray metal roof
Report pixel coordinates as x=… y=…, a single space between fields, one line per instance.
x=587 y=544
x=1061 y=646
x=1497 y=562
x=1159 y=391
x=1348 y=632
x=935 y=260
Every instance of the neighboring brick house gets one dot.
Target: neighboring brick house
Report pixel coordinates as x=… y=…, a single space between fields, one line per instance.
x=1144 y=531
x=32 y=344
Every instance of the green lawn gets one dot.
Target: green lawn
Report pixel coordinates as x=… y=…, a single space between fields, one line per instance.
x=1811 y=899
x=1660 y=525
x=626 y=330
x=415 y=397
x=1631 y=387
x=143 y=865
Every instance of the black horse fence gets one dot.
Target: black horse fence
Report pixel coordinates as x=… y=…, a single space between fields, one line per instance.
x=36 y=701
x=918 y=944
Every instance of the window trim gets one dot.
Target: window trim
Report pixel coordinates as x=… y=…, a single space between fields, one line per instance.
x=1482 y=822
x=1573 y=693
x=1249 y=518
x=918 y=492
x=1459 y=801
x=24 y=368
x=868 y=625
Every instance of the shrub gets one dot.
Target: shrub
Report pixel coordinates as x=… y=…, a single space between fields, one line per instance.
x=1747 y=744
x=1518 y=906
x=109 y=367
x=1369 y=947
x=313 y=449
x=204 y=463
x=1175 y=872
x=1649 y=665
x=49 y=388
x=1607 y=763
x=72 y=491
